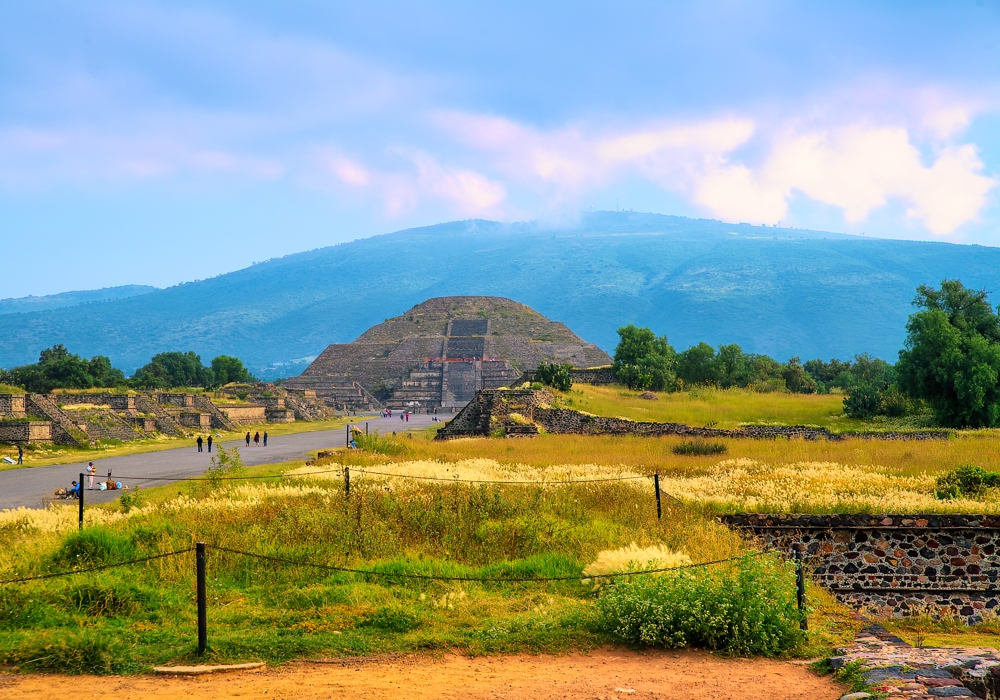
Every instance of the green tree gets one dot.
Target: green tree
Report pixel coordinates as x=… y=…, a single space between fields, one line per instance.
x=796 y=379
x=168 y=370
x=695 y=365
x=230 y=369
x=644 y=361
x=733 y=367
x=951 y=357
x=555 y=375
x=58 y=368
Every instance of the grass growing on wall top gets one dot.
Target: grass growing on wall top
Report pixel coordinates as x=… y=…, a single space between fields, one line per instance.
x=721 y=408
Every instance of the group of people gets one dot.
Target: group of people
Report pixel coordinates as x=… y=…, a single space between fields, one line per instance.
x=256 y=439
x=90 y=474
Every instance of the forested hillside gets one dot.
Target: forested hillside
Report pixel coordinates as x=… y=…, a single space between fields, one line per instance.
x=776 y=291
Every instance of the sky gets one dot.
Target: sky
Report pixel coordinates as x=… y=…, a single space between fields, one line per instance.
x=155 y=143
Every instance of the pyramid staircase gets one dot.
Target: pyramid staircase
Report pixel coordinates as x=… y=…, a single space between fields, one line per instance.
x=64 y=430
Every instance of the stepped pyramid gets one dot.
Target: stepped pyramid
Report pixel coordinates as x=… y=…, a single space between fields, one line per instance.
x=440 y=352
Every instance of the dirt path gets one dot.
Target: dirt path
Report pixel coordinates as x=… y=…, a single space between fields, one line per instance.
x=605 y=674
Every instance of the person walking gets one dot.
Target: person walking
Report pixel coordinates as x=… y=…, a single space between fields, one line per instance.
x=20 y=455
x=199 y=443
x=256 y=439
x=265 y=438
x=248 y=438
x=209 y=443
x=91 y=473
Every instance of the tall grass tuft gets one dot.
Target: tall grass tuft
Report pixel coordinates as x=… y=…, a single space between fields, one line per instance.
x=94 y=546
x=699 y=447
x=745 y=609
x=378 y=444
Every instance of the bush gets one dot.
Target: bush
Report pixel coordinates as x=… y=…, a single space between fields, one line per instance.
x=225 y=465
x=390 y=620
x=132 y=499
x=555 y=375
x=81 y=653
x=103 y=601
x=747 y=609
x=379 y=445
x=968 y=480
x=94 y=546
x=699 y=447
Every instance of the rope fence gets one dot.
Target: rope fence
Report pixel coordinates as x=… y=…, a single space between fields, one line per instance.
x=201 y=575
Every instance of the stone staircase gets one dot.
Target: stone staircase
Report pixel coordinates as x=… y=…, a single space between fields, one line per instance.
x=64 y=430
x=421 y=389
x=219 y=419
x=165 y=423
x=103 y=424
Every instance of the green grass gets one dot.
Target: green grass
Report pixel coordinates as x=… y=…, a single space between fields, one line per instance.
x=124 y=620
x=719 y=408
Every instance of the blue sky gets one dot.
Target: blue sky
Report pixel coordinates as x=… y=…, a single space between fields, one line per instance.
x=161 y=142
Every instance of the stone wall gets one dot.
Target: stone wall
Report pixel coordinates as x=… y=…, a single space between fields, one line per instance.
x=568 y=421
x=117 y=402
x=23 y=431
x=893 y=565
x=12 y=405
x=245 y=415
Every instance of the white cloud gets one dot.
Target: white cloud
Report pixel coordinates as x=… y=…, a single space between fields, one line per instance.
x=856 y=167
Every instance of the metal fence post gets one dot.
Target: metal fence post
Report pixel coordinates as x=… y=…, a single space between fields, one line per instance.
x=80 y=494
x=656 y=484
x=347 y=481
x=800 y=587
x=199 y=554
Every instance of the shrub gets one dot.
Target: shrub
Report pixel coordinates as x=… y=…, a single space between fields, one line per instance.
x=555 y=375
x=132 y=499
x=968 y=480
x=699 y=447
x=93 y=547
x=390 y=620
x=225 y=465
x=746 y=609
x=374 y=442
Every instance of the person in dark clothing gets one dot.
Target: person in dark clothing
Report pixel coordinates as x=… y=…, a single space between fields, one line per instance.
x=20 y=455
x=248 y=439
x=265 y=438
x=256 y=439
x=209 y=443
x=199 y=443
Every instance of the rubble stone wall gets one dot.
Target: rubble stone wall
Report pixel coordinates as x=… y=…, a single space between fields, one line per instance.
x=894 y=565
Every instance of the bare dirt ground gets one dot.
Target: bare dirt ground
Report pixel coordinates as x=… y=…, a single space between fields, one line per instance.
x=603 y=674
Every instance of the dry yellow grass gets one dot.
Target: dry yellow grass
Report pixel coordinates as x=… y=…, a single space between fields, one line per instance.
x=647 y=455
x=726 y=408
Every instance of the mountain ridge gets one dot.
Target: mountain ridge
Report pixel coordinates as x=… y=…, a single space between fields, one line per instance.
x=779 y=291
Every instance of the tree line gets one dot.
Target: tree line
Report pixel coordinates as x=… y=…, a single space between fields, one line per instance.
x=949 y=366
x=58 y=368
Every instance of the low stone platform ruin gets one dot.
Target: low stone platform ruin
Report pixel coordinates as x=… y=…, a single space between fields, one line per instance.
x=80 y=419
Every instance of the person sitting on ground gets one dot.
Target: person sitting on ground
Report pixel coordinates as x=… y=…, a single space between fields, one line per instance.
x=74 y=492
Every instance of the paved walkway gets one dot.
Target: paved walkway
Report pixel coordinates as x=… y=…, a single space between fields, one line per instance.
x=30 y=486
